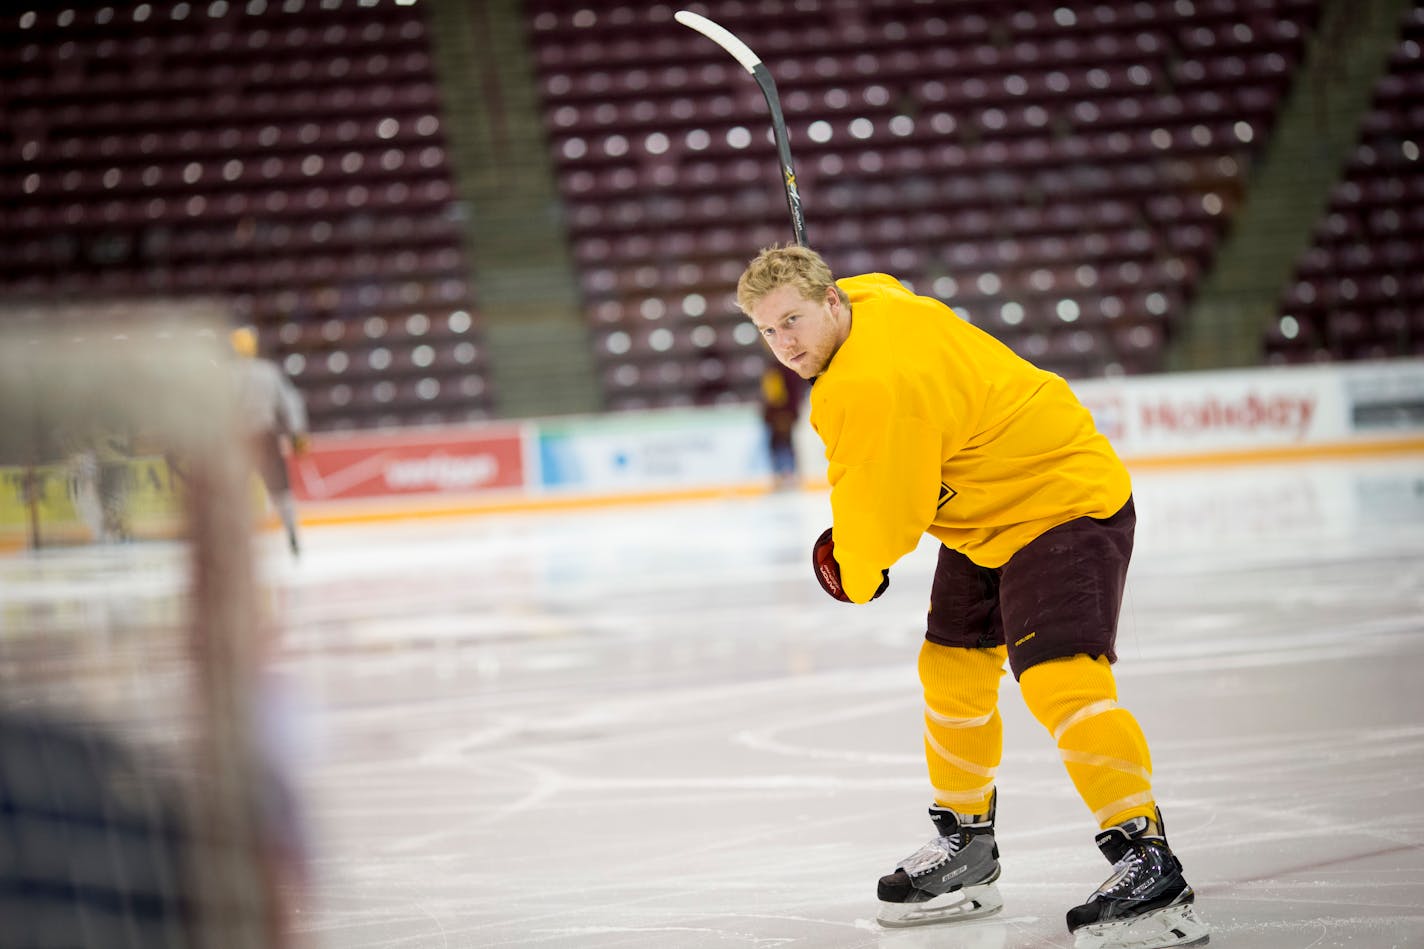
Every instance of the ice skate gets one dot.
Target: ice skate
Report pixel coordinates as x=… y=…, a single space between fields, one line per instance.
x=950 y=878
x=1146 y=903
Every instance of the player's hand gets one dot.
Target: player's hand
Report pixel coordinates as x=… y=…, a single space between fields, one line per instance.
x=828 y=572
x=300 y=444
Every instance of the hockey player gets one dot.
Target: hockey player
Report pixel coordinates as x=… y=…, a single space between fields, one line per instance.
x=782 y=395
x=932 y=425
x=270 y=409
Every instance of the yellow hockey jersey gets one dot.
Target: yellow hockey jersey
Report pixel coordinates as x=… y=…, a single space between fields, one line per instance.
x=932 y=425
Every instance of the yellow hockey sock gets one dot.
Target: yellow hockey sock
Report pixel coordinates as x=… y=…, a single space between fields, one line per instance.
x=1100 y=742
x=964 y=735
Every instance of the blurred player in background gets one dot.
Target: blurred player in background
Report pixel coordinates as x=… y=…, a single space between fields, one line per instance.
x=782 y=392
x=270 y=409
x=99 y=482
x=932 y=425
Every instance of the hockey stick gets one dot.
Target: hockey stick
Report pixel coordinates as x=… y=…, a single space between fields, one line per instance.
x=753 y=64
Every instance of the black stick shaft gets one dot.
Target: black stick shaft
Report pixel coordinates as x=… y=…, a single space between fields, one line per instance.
x=783 y=152
x=753 y=64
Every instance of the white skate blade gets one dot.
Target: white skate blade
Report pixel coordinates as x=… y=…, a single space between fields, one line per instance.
x=971 y=902
x=1167 y=927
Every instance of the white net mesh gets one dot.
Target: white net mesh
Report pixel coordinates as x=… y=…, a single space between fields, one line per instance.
x=135 y=805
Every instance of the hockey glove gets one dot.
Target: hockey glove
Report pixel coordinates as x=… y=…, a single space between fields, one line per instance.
x=828 y=572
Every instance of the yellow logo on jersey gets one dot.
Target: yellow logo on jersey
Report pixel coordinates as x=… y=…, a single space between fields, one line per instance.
x=1020 y=642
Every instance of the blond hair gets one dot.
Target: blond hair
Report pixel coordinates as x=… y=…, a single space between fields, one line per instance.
x=776 y=267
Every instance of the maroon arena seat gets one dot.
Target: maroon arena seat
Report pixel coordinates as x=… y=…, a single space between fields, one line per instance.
x=1042 y=145
x=1356 y=292
x=288 y=157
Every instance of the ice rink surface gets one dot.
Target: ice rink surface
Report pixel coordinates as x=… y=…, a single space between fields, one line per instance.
x=648 y=727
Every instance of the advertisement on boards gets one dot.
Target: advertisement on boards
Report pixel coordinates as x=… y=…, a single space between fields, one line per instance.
x=666 y=449
x=1217 y=411
x=439 y=462
x=1385 y=397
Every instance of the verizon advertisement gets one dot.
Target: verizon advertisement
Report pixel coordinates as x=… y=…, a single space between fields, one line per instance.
x=438 y=463
x=1219 y=411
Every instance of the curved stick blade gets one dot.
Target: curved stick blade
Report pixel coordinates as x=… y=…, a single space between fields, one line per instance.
x=720 y=35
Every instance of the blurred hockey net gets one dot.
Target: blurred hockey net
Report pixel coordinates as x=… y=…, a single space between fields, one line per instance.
x=137 y=808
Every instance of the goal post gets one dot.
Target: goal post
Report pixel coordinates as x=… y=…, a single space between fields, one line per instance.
x=132 y=767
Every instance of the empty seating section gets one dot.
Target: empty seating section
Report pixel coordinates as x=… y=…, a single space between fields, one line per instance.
x=1058 y=172
x=286 y=156
x=1358 y=291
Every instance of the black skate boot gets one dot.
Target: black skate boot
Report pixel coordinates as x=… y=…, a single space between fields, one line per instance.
x=1146 y=903
x=950 y=878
